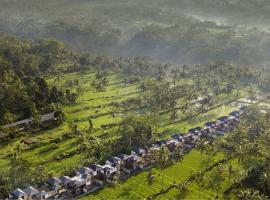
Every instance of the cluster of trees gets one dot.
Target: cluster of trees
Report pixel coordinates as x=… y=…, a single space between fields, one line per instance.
x=193 y=84
x=23 y=90
x=248 y=144
x=101 y=81
x=146 y=28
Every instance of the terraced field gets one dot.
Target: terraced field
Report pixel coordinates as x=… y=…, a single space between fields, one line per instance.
x=98 y=106
x=136 y=187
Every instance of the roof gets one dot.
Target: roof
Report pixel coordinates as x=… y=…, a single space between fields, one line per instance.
x=54 y=181
x=85 y=170
x=65 y=179
x=18 y=193
x=193 y=130
x=29 y=141
x=93 y=167
x=234 y=113
x=198 y=128
x=223 y=119
x=78 y=181
x=175 y=136
x=25 y=121
x=122 y=156
x=210 y=124
x=43 y=118
x=31 y=191
x=139 y=150
x=47 y=117
x=160 y=143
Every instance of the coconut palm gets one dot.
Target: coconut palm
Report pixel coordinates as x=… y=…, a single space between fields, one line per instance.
x=201 y=145
x=115 y=181
x=250 y=194
x=178 y=157
x=183 y=187
x=230 y=173
x=162 y=160
x=150 y=178
x=36 y=120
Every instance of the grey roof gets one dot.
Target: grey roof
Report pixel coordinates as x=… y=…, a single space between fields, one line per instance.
x=85 y=170
x=65 y=179
x=43 y=118
x=47 y=117
x=31 y=191
x=18 y=193
x=54 y=181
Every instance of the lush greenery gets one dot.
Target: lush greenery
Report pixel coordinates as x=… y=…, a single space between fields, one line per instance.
x=111 y=106
x=172 y=31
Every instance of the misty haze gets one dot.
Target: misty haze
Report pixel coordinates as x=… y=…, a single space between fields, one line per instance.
x=134 y=99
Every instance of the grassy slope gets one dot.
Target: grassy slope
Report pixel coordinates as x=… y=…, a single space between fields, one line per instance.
x=93 y=103
x=137 y=188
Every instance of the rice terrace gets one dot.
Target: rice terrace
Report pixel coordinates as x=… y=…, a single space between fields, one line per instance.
x=134 y=100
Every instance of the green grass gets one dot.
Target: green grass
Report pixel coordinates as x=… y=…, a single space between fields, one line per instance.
x=200 y=190
x=136 y=187
x=93 y=104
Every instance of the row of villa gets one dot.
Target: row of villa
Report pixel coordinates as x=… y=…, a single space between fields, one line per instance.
x=91 y=178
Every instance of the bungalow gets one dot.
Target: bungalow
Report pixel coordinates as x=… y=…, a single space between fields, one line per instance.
x=105 y=173
x=43 y=195
x=66 y=181
x=160 y=143
x=139 y=152
x=235 y=114
x=143 y=154
x=18 y=194
x=132 y=163
x=78 y=184
x=175 y=136
x=222 y=120
x=26 y=122
x=89 y=176
x=32 y=193
x=54 y=187
x=83 y=171
x=122 y=158
x=210 y=124
x=115 y=162
x=193 y=130
x=172 y=145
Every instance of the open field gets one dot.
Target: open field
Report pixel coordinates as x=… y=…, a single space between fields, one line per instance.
x=98 y=105
x=136 y=187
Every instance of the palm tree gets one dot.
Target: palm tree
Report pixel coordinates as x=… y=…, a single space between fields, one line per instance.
x=162 y=159
x=17 y=151
x=150 y=178
x=183 y=187
x=201 y=145
x=230 y=173
x=215 y=179
x=265 y=181
x=178 y=157
x=250 y=194
x=90 y=125
x=36 y=120
x=201 y=181
x=115 y=181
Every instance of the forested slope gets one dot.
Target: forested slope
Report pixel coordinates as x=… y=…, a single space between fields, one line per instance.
x=173 y=31
x=23 y=91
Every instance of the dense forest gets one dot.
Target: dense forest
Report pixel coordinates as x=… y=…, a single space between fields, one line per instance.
x=123 y=74
x=23 y=91
x=162 y=30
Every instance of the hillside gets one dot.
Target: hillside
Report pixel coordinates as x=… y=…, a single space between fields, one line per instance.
x=163 y=30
